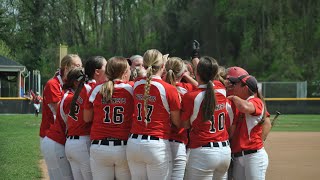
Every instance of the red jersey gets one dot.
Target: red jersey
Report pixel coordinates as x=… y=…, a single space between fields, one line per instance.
x=247 y=135
x=57 y=130
x=36 y=98
x=111 y=119
x=184 y=88
x=52 y=93
x=180 y=134
x=232 y=111
x=163 y=98
x=202 y=132
x=76 y=125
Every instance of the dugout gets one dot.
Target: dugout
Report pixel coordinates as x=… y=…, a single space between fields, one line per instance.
x=12 y=87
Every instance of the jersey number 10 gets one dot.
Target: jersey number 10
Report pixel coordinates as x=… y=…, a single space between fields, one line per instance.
x=221 y=120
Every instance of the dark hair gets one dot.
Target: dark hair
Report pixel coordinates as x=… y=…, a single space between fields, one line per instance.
x=75 y=74
x=93 y=63
x=252 y=84
x=207 y=70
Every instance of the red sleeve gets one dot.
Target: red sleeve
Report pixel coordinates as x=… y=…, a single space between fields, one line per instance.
x=55 y=94
x=258 y=105
x=186 y=107
x=131 y=83
x=87 y=104
x=267 y=114
x=173 y=99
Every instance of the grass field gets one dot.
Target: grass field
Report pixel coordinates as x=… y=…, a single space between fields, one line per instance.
x=19 y=147
x=20 y=152
x=305 y=123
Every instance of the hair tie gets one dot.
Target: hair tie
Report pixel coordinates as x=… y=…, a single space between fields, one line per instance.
x=170 y=70
x=82 y=76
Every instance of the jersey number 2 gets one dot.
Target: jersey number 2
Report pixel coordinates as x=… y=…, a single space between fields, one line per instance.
x=76 y=111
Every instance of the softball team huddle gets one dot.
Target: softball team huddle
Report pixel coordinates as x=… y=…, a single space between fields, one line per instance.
x=164 y=124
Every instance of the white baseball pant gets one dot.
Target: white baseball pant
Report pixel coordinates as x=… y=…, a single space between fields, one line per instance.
x=251 y=166
x=206 y=163
x=109 y=162
x=78 y=154
x=37 y=107
x=179 y=160
x=149 y=159
x=56 y=160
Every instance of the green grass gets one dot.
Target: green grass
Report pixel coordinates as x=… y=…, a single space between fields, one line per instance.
x=304 y=123
x=20 y=152
x=19 y=147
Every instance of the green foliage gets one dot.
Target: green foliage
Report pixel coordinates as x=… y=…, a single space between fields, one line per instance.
x=19 y=147
x=5 y=50
x=274 y=40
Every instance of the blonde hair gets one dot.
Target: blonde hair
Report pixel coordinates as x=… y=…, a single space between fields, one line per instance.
x=222 y=74
x=117 y=66
x=152 y=61
x=175 y=67
x=67 y=61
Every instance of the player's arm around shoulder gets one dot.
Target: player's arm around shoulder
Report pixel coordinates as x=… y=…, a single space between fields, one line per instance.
x=242 y=105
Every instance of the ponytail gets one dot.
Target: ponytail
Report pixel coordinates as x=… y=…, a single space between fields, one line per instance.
x=171 y=77
x=107 y=90
x=83 y=78
x=209 y=102
x=147 y=91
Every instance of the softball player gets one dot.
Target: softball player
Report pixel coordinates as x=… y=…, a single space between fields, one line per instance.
x=234 y=73
x=37 y=99
x=52 y=146
x=250 y=157
x=155 y=103
x=175 y=72
x=110 y=109
x=52 y=92
x=210 y=154
x=78 y=139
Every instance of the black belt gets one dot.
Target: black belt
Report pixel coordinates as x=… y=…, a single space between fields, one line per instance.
x=73 y=137
x=106 y=142
x=216 y=144
x=171 y=140
x=135 y=136
x=242 y=153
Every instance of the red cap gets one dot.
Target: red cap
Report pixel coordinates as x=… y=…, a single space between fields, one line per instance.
x=236 y=72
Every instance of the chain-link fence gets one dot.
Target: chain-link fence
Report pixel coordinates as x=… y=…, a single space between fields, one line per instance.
x=284 y=89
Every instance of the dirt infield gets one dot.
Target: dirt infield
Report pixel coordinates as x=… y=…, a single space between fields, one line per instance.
x=44 y=170
x=292 y=156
